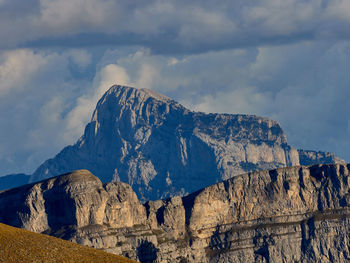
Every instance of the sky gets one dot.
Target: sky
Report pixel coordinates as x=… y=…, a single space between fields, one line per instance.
x=283 y=59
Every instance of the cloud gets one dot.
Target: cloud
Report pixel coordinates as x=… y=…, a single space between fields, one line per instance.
x=80 y=115
x=287 y=60
x=81 y=58
x=339 y=9
x=65 y=16
x=37 y=90
x=302 y=85
x=17 y=67
x=171 y=27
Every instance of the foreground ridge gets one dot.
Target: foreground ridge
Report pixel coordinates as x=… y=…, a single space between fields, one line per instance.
x=293 y=214
x=18 y=245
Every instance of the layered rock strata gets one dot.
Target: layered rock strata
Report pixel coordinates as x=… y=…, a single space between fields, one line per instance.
x=312 y=157
x=163 y=149
x=294 y=214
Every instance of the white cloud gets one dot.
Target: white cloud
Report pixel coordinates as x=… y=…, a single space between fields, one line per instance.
x=247 y=100
x=37 y=90
x=80 y=57
x=302 y=85
x=146 y=77
x=339 y=9
x=80 y=115
x=285 y=59
x=17 y=68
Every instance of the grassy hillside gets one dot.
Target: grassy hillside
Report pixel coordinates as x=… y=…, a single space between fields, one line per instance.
x=18 y=245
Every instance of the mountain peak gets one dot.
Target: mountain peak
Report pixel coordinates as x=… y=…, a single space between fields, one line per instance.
x=126 y=92
x=160 y=148
x=138 y=104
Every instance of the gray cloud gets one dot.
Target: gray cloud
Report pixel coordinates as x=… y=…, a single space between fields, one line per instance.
x=287 y=60
x=171 y=26
x=305 y=86
x=37 y=91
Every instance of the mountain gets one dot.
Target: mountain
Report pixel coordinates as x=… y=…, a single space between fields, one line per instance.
x=311 y=157
x=18 y=245
x=161 y=148
x=13 y=180
x=293 y=214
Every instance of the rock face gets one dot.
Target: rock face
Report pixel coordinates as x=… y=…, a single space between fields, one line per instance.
x=76 y=199
x=312 y=157
x=161 y=148
x=294 y=214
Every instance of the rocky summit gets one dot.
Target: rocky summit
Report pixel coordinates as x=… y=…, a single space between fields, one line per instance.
x=293 y=214
x=163 y=149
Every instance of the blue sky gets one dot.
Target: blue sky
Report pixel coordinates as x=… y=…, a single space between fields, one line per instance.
x=284 y=59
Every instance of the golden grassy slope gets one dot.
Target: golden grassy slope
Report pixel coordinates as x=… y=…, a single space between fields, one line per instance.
x=18 y=245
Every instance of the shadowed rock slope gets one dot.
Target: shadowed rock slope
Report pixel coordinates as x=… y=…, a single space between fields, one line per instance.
x=13 y=180
x=294 y=214
x=163 y=149
x=312 y=157
x=18 y=245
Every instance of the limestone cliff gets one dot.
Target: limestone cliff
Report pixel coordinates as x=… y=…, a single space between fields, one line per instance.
x=311 y=157
x=161 y=148
x=294 y=214
x=75 y=199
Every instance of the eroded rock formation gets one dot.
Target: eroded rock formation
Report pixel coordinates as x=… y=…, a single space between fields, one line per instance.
x=312 y=157
x=294 y=214
x=163 y=149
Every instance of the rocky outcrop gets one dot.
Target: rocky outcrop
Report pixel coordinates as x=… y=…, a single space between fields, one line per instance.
x=75 y=199
x=311 y=157
x=294 y=214
x=161 y=148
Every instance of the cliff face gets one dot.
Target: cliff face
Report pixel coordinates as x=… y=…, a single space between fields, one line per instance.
x=161 y=149
x=76 y=199
x=311 y=157
x=294 y=214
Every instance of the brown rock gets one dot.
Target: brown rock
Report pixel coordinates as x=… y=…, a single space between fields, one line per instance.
x=295 y=214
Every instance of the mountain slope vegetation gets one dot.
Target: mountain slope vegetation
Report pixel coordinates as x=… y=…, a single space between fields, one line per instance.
x=18 y=245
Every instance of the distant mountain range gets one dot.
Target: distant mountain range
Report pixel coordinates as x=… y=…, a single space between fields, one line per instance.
x=162 y=149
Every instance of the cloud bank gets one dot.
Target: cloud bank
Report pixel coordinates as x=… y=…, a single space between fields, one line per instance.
x=171 y=26
x=287 y=60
